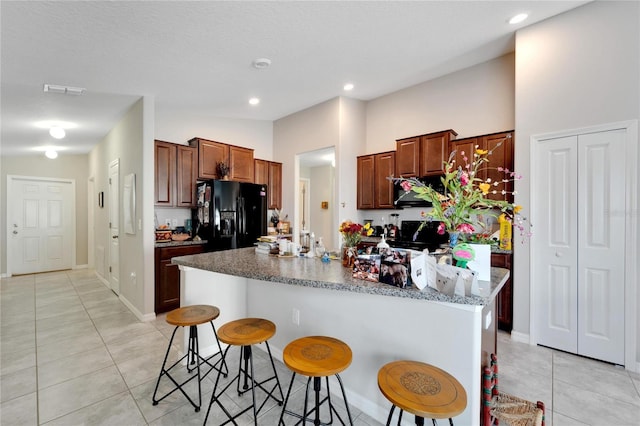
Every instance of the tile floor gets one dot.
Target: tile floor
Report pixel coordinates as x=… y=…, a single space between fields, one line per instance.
x=72 y=353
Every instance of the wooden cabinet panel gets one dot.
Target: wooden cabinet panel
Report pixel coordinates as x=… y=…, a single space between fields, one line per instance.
x=261 y=172
x=275 y=185
x=501 y=146
x=165 y=172
x=241 y=164
x=505 y=297
x=366 y=184
x=384 y=167
x=408 y=157
x=167 y=279
x=434 y=151
x=464 y=148
x=186 y=176
x=209 y=154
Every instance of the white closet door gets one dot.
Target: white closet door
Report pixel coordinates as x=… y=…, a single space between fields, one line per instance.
x=580 y=240
x=601 y=225
x=556 y=232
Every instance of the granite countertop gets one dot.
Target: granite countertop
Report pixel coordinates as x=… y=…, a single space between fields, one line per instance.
x=180 y=243
x=314 y=273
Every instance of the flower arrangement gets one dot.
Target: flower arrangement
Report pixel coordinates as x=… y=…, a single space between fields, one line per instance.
x=352 y=233
x=222 y=168
x=465 y=194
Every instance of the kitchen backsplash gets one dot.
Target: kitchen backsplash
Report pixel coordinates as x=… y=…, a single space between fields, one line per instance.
x=171 y=215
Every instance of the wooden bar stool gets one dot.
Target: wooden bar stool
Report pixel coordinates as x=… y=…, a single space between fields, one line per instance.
x=422 y=390
x=245 y=333
x=191 y=316
x=317 y=357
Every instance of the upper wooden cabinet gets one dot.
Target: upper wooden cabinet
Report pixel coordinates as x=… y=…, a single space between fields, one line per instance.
x=375 y=191
x=241 y=164
x=175 y=174
x=423 y=155
x=434 y=152
x=270 y=173
x=209 y=154
x=501 y=147
x=165 y=173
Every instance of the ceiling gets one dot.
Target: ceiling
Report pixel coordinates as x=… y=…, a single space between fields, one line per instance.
x=197 y=56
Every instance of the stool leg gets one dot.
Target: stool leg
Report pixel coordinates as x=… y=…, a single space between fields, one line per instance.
x=393 y=407
x=164 y=363
x=224 y=362
x=286 y=399
x=215 y=388
x=275 y=374
x=344 y=396
x=420 y=421
x=317 y=384
x=197 y=356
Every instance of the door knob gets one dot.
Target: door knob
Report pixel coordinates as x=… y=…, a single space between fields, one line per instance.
x=15 y=232
x=558 y=254
x=115 y=237
x=15 y=225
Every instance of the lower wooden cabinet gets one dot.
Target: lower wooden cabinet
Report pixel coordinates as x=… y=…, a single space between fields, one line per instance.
x=505 y=297
x=167 y=280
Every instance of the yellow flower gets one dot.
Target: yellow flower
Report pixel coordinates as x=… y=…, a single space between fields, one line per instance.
x=517 y=208
x=481 y=151
x=484 y=187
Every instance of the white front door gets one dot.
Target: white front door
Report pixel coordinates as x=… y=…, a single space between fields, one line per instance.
x=40 y=224
x=114 y=226
x=580 y=225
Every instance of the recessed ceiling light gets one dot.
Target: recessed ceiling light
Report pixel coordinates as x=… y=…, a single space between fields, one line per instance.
x=348 y=86
x=518 y=18
x=254 y=101
x=57 y=132
x=50 y=153
x=262 y=63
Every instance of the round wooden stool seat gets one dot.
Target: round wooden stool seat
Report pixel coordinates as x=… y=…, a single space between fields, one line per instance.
x=422 y=389
x=246 y=331
x=192 y=315
x=317 y=356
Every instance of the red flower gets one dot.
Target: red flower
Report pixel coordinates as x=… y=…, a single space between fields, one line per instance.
x=406 y=186
x=441 y=228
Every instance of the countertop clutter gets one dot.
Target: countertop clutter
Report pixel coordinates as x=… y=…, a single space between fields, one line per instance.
x=312 y=272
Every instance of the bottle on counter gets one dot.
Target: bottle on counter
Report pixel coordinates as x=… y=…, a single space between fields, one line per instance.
x=312 y=245
x=320 y=249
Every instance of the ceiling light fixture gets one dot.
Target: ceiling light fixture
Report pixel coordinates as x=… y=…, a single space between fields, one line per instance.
x=254 y=101
x=518 y=18
x=50 y=153
x=348 y=87
x=262 y=63
x=57 y=132
x=63 y=90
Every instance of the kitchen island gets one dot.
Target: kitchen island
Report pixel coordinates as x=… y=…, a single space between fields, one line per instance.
x=380 y=323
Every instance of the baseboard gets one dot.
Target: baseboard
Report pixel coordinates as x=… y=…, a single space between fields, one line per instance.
x=4 y=275
x=103 y=280
x=520 y=337
x=74 y=267
x=142 y=317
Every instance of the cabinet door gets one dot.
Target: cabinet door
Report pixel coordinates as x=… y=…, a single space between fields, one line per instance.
x=261 y=172
x=505 y=297
x=408 y=157
x=165 y=172
x=434 y=151
x=186 y=176
x=167 y=280
x=366 y=184
x=501 y=147
x=209 y=154
x=464 y=148
x=384 y=167
x=275 y=185
x=241 y=163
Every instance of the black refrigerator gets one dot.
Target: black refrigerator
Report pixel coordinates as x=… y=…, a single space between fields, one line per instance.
x=230 y=214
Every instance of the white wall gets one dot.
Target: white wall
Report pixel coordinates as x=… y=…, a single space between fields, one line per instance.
x=321 y=189
x=129 y=142
x=66 y=167
x=474 y=101
x=574 y=70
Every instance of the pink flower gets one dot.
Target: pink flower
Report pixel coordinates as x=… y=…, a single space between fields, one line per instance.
x=464 y=179
x=465 y=228
x=406 y=185
x=441 y=228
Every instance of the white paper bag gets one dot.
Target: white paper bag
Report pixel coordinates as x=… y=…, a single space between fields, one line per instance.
x=482 y=262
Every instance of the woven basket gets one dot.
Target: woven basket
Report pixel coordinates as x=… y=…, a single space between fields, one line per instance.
x=515 y=411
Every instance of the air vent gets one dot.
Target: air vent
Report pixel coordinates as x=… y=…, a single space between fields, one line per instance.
x=63 y=90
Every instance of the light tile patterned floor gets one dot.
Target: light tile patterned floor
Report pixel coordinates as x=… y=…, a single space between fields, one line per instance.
x=72 y=353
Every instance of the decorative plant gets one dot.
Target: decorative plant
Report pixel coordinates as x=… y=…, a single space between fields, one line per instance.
x=222 y=168
x=352 y=233
x=465 y=195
